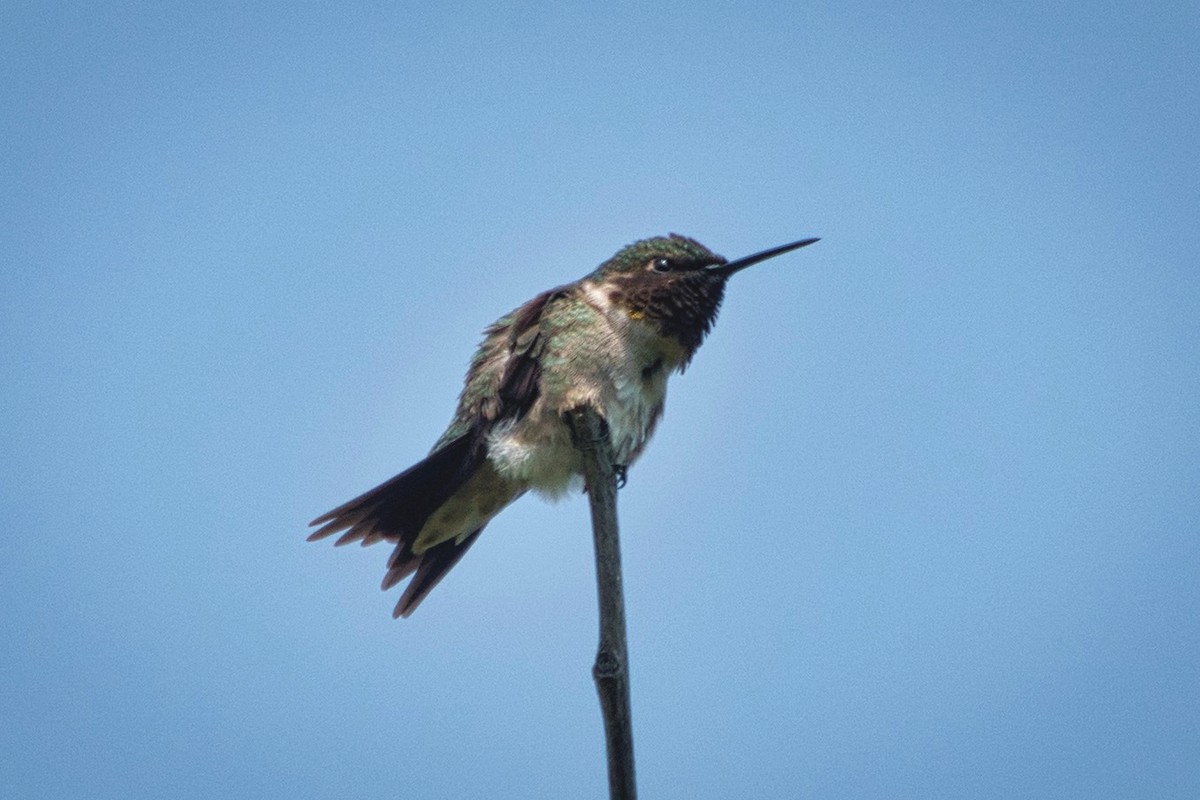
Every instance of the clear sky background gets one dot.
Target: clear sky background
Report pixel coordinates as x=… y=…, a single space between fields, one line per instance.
x=921 y=520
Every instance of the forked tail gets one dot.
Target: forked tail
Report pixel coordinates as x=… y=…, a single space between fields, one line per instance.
x=398 y=509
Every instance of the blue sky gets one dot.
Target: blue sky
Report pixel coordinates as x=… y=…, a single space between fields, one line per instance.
x=921 y=520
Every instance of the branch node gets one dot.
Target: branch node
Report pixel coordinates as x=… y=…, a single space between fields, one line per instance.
x=608 y=665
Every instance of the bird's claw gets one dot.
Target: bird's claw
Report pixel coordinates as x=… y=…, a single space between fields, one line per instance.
x=621 y=471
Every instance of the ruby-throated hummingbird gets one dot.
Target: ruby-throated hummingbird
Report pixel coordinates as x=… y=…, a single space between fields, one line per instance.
x=608 y=340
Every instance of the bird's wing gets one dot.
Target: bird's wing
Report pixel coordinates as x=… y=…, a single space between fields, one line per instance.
x=503 y=381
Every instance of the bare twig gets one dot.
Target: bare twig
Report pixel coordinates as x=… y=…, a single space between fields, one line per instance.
x=611 y=670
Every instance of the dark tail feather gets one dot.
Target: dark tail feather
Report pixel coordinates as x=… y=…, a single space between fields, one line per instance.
x=397 y=509
x=431 y=566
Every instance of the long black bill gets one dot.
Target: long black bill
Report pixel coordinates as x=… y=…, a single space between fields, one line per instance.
x=731 y=267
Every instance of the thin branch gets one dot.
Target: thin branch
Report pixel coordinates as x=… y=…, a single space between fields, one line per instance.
x=611 y=670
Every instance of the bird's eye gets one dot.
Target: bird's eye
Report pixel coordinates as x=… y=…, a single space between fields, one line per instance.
x=661 y=265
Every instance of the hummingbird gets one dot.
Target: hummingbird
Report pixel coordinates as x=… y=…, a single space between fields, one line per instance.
x=609 y=340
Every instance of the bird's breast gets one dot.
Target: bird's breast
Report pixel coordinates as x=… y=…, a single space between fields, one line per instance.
x=538 y=450
x=634 y=405
x=620 y=370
